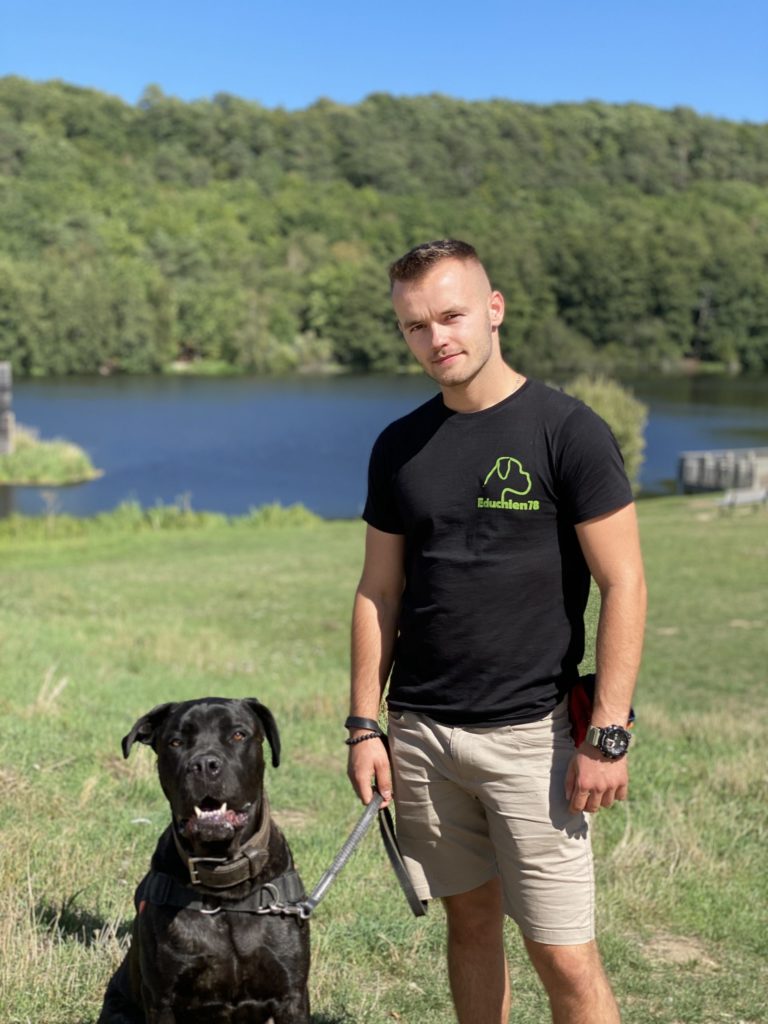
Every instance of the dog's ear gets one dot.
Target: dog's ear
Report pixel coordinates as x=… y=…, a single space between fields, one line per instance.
x=146 y=727
x=267 y=720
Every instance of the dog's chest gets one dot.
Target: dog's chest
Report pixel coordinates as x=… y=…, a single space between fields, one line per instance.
x=238 y=957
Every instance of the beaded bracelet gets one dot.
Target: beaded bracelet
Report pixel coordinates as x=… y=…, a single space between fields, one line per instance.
x=359 y=739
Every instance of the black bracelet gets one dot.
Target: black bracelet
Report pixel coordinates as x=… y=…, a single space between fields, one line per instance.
x=359 y=739
x=362 y=723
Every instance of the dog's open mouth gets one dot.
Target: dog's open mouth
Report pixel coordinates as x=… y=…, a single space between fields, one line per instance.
x=213 y=821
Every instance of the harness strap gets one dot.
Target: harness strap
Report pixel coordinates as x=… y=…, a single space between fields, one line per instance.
x=280 y=895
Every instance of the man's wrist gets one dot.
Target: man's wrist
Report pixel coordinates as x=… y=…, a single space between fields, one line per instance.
x=357 y=723
x=612 y=741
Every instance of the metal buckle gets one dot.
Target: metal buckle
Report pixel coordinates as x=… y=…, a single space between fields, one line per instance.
x=273 y=907
x=192 y=863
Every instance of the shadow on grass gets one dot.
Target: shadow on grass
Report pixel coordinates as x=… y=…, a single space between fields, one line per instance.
x=71 y=922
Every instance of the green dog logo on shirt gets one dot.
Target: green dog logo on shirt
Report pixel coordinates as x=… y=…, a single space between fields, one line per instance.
x=518 y=484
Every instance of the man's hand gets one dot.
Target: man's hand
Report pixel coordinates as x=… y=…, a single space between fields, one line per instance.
x=593 y=781
x=369 y=762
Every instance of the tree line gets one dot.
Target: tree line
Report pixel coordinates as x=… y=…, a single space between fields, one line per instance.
x=624 y=237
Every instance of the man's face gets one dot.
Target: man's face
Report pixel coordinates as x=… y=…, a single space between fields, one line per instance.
x=450 y=319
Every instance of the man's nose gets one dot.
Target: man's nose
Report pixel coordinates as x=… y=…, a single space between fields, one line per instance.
x=437 y=335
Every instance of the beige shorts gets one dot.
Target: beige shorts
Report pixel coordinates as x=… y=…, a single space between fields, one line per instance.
x=473 y=803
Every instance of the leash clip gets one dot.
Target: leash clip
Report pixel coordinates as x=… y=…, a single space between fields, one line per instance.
x=301 y=910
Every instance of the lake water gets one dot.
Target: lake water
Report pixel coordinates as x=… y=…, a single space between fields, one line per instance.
x=231 y=444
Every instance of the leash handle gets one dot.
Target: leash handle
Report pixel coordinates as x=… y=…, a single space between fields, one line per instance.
x=357 y=833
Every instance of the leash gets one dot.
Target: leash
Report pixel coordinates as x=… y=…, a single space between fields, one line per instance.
x=280 y=895
x=387 y=829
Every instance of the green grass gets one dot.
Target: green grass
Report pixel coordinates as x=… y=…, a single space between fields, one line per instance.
x=101 y=620
x=45 y=463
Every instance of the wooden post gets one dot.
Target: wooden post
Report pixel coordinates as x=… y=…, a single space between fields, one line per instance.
x=7 y=421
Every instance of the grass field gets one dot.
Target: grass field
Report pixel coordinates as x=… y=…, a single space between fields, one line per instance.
x=100 y=621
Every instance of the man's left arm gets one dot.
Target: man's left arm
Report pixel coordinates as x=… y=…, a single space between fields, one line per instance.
x=611 y=547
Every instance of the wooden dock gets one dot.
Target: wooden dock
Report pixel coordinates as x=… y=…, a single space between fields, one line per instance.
x=722 y=470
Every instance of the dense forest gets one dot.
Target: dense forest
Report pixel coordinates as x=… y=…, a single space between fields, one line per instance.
x=225 y=233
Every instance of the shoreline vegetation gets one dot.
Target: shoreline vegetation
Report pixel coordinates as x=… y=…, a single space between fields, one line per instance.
x=131 y=517
x=216 y=368
x=38 y=463
x=97 y=629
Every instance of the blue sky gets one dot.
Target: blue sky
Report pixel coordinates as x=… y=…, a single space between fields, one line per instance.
x=711 y=55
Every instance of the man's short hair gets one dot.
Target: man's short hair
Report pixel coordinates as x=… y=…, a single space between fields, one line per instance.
x=422 y=258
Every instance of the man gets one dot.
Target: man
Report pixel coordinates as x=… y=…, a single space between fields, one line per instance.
x=488 y=509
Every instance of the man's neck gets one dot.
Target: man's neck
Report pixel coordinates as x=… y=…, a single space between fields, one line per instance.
x=485 y=390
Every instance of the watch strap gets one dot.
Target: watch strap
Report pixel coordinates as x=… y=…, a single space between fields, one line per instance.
x=594 y=732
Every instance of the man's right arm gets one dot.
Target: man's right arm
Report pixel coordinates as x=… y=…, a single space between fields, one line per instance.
x=374 y=628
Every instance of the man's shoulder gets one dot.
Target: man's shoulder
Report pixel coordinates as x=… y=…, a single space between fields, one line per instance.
x=424 y=417
x=553 y=400
x=560 y=411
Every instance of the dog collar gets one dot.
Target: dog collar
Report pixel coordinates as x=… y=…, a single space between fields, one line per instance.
x=223 y=872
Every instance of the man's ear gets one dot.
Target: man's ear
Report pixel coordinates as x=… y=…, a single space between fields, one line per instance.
x=496 y=309
x=145 y=729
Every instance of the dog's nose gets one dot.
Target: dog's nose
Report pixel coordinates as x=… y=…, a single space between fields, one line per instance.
x=206 y=764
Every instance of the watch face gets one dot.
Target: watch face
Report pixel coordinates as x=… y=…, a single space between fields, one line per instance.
x=615 y=741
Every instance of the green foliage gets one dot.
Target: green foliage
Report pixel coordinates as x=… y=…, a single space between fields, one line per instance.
x=131 y=517
x=50 y=463
x=621 y=411
x=131 y=238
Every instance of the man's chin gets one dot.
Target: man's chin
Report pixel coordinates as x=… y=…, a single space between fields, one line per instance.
x=453 y=376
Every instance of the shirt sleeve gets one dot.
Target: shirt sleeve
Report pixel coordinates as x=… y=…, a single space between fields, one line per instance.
x=381 y=511
x=591 y=470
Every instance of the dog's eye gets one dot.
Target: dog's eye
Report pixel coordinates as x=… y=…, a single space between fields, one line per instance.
x=175 y=742
x=238 y=736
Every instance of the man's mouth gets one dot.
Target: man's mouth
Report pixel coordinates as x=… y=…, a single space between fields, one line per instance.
x=213 y=821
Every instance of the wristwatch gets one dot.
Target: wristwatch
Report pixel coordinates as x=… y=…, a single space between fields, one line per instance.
x=611 y=740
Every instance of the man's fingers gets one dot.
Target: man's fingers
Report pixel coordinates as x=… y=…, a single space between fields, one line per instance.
x=591 y=800
x=591 y=784
x=367 y=767
x=384 y=782
x=570 y=782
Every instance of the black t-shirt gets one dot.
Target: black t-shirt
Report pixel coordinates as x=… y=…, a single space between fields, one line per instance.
x=491 y=625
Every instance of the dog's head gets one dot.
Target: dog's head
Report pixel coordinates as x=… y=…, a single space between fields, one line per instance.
x=210 y=762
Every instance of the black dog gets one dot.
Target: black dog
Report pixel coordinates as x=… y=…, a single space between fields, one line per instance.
x=218 y=935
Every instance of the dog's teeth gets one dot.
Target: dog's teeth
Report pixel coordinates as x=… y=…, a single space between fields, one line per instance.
x=198 y=812
x=223 y=809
